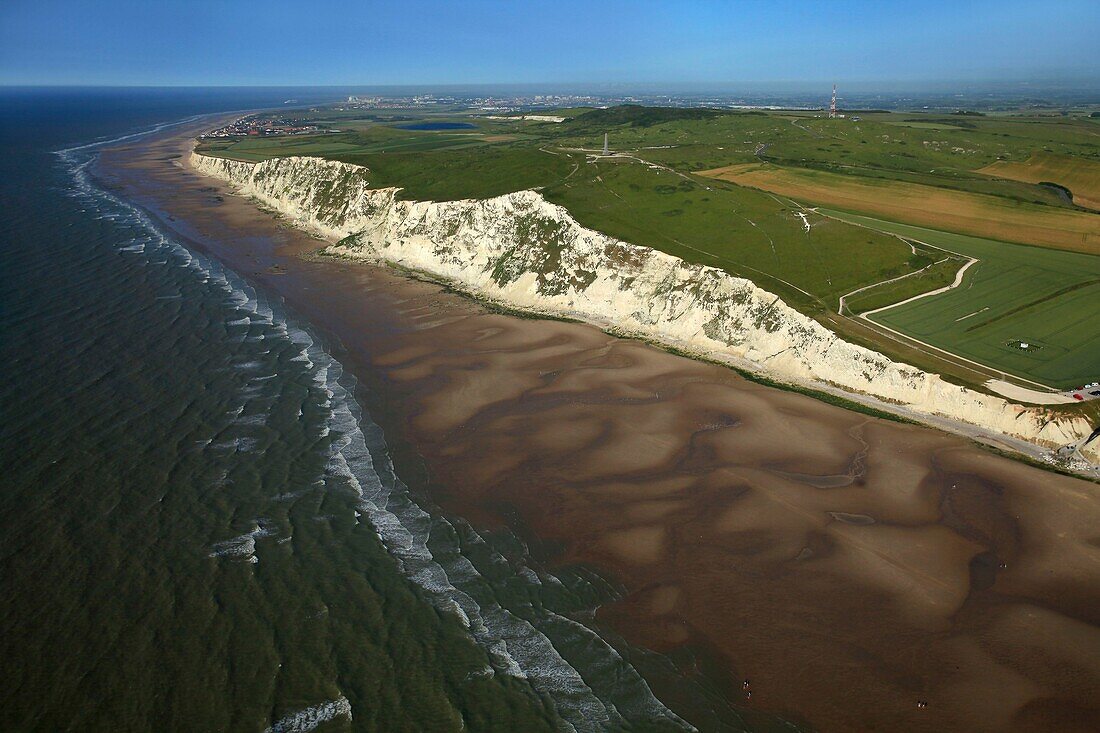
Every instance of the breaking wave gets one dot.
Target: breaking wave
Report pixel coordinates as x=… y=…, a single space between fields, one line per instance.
x=309 y=718
x=521 y=635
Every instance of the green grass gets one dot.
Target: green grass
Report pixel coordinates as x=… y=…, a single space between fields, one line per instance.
x=941 y=152
x=256 y=149
x=333 y=145
x=1045 y=297
x=483 y=172
x=936 y=276
x=637 y=116
x=745 y=232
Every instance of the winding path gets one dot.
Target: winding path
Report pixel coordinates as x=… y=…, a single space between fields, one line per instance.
x=957 y=282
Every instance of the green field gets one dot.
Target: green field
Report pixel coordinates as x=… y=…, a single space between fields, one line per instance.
x=481 y=172
x=745 y=232
x=651 y=193
x=938 y=274
x=335 y=145
x=1046 y=298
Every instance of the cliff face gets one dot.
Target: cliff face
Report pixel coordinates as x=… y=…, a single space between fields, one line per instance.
x=523 y=251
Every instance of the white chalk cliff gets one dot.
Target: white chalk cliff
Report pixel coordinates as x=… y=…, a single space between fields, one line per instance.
x=525 y=252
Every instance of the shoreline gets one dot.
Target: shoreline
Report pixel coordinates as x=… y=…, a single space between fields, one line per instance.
x=398 y=293
x=1001 y=445
x=625 y=290
x=698 y=491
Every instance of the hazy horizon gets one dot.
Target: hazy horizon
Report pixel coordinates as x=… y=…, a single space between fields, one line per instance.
x=1080 y=82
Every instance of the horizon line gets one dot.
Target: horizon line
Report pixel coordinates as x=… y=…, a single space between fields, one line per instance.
x=1063 y=81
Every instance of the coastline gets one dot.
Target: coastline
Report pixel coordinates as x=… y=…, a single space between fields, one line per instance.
x=701 y=492
x=524 y=252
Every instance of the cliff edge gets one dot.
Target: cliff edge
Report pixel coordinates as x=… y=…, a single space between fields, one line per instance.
x=522 y=251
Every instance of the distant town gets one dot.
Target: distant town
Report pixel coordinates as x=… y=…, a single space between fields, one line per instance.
x=535 y=102
x=533 y=107
x=1013 y=100
x=265 y=126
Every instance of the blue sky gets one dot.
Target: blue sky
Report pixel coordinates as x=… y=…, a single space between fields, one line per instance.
x=470 y=41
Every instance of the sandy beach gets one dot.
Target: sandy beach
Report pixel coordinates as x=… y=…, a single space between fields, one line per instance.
x=859 y=574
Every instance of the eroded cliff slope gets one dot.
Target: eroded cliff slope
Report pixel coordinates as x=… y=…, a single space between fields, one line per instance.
x=520 y=250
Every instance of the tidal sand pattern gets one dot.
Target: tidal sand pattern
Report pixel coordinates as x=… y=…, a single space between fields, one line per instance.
x=857 y=573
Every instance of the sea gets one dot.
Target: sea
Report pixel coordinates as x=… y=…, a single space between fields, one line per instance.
x=201 y=528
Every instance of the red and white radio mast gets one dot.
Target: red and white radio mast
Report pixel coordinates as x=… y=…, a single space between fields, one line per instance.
x=832 y=104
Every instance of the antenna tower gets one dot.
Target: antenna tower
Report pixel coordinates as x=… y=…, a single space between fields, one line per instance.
x=832 y=104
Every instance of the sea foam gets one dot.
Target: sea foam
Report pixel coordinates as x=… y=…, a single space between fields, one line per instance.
x=517 y=646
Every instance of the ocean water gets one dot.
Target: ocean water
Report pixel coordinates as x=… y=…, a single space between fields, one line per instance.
x=200 y=526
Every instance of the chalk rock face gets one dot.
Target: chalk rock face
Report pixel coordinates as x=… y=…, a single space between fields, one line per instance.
x=521 y=250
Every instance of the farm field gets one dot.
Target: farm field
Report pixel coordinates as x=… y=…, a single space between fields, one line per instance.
x=1080 y=175
x=1045 y=298
x=980 y=215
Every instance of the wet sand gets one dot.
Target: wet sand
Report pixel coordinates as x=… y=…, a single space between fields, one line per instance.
x=848 y=567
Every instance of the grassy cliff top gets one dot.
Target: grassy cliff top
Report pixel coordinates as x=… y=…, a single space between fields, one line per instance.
x=888 y=204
